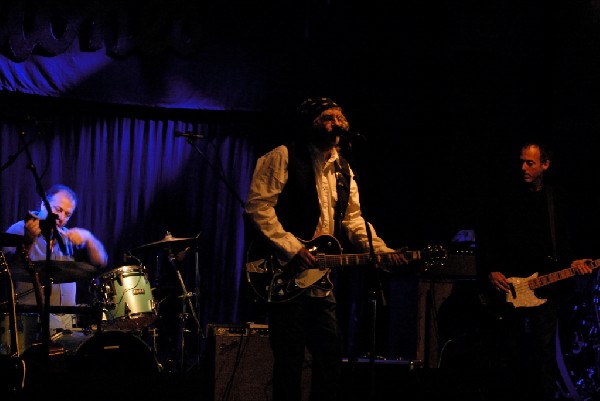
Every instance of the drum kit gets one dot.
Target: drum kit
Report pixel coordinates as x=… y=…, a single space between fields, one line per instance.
x=122 y=315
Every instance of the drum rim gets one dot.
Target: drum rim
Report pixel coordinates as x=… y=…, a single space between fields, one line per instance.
x=120 y=271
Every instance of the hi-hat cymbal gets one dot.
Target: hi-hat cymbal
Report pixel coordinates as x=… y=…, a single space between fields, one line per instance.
x=61 y=271
x=7 y=239
x=169 y=240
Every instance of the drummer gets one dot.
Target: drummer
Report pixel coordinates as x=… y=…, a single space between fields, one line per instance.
x=73 y=244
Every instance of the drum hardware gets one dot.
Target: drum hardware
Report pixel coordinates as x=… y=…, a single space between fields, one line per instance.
x=21 y=295
x=176 y=250
x=185 y=304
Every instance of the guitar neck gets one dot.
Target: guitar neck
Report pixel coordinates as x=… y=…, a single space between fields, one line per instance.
x=349 y=259
x=546 y=279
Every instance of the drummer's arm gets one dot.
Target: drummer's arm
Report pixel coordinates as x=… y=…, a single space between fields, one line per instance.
x=30 y=229
x=95 y=248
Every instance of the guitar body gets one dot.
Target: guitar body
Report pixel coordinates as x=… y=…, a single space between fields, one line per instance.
x=520 y=295
x=275 y=283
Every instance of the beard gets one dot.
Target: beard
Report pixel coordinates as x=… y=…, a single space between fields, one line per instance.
x=323 y=139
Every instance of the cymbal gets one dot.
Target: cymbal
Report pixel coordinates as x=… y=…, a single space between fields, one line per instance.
x=7 y=239
x=62 y=271
x=169 y=240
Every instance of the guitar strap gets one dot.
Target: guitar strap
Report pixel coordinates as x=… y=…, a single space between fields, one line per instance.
x=342 y=177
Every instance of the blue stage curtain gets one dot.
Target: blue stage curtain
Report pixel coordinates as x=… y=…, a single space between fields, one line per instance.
x=136 y=180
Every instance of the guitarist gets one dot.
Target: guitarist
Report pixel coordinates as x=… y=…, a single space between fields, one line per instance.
x=527 y=231
x=301 y=190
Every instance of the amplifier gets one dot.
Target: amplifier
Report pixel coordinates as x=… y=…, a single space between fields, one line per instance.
x=241 y=363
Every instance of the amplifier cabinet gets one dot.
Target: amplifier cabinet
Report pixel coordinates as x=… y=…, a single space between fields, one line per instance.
x=241 y=363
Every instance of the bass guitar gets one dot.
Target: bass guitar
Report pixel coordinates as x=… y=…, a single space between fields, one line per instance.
x=521 y=289
x=274 y=282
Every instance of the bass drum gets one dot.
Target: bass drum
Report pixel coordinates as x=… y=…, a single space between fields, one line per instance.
x=114 y=355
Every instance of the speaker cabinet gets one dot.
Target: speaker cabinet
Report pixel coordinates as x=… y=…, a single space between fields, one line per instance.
x=242 y=363
x=450 y=314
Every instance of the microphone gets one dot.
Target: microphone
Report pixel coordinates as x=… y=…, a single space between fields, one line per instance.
x=189 y=134
x=350 y=135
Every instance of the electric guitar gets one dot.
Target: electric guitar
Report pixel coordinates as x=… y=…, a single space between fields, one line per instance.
x=276 y=283
x=521 y=289
x=11 y=362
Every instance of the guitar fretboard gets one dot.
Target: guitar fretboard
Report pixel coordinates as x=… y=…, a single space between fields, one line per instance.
x=557 y=276
x=349 y=259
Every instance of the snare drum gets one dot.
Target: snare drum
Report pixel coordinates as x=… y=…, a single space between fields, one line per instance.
x=125 y=296
x=28 y=332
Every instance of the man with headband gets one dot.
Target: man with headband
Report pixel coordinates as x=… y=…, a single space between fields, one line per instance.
x=302 y=192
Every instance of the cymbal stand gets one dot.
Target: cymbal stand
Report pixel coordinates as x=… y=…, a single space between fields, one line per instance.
x=184 y=315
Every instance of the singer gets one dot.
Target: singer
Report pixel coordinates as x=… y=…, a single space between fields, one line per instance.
x=305 y=189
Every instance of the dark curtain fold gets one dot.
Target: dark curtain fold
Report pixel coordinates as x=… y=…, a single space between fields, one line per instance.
x=136 y=181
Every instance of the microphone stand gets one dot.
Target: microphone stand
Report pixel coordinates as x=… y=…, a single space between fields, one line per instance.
x=48 y=227
x=190 y=139
x=375 y=288
x=12 y=158
x=375 y=291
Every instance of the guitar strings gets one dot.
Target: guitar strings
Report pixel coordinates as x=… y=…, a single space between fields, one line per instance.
x=557 y=274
